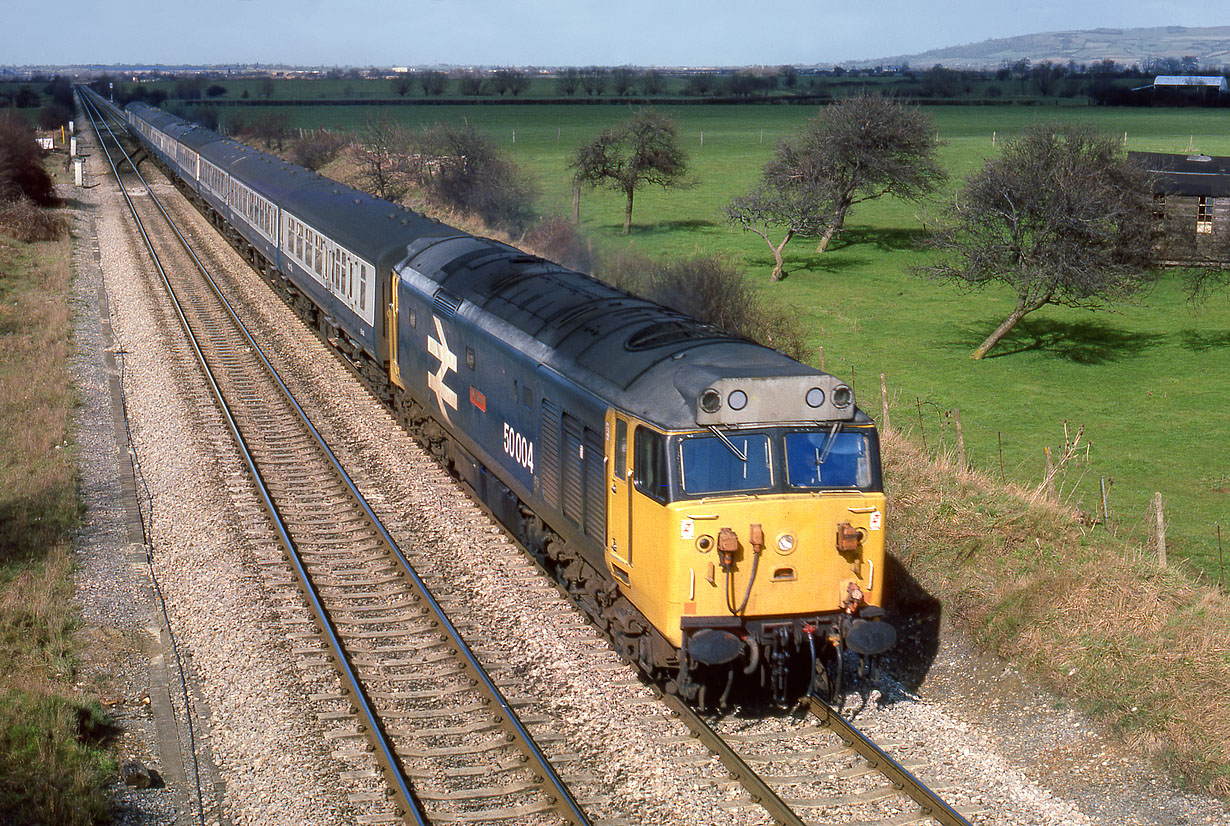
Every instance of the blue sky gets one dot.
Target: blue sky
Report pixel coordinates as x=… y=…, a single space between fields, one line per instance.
x=538 y=32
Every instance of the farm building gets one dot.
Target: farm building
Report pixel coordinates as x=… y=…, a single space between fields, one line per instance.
x=1190 y=82
x=1191 y=198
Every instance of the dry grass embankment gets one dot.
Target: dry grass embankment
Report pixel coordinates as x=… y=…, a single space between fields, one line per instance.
x=51 y=771
x=1144 y=648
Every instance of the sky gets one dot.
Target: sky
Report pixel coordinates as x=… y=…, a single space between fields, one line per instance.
x=538 y=32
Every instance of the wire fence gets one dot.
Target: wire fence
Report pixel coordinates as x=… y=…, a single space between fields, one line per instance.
x=1061 y=474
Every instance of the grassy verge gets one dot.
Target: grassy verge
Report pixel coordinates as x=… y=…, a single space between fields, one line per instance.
x=51 y=769
x=1142 y=647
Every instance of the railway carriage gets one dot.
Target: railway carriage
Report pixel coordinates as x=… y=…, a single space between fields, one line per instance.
x=714 y=505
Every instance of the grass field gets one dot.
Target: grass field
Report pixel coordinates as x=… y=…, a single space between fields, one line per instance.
x=1146 y=381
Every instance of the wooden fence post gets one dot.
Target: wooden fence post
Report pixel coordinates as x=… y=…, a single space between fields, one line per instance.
x=1048 y=480
x=956 y=418
x=821 y=357
x=576 y=202
x=1161 y=529
x=883 y=403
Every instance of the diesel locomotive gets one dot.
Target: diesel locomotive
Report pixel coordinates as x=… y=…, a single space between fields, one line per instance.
x=715 y=506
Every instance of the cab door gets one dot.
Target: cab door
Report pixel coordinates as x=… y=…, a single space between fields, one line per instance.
x=390 y=320
x=619 y=551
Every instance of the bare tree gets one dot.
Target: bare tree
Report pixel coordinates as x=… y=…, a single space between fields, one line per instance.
x=316 y=148
x=568 y=81
x=382 y=158
x=461 y=168
x=860 y=148
x=642 y=150
x=470 y=84
x=21 y=169
x=795 y=207
x=54 y=115
x=594 y=80
x=622 y=79
x=652 y=82
x=271 y=128
x=701 y=84
x=402 y=84
x=712 y=290
x=264 y=87
x=432 y=82
x=1060 y=217
x=509 y=80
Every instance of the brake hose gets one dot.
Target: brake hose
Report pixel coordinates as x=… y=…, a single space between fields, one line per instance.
x=730 y=581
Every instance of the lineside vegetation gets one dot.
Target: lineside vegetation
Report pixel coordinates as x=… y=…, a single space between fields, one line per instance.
x=52 y=768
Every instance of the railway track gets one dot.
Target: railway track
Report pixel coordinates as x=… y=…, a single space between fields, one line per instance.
x=797 y=772
x=448 y=743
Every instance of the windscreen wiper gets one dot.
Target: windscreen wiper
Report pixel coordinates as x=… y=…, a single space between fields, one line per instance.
x=742 y=457
x=828 y=444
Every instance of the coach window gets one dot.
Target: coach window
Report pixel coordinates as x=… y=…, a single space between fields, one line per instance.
x=649 y=464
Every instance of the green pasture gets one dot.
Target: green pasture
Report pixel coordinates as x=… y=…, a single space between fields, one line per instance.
x=1148 y=381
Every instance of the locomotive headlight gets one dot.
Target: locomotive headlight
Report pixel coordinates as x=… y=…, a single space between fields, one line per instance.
x=704 y=544
x=842 y=396
x=710 y=401
x=785 y=543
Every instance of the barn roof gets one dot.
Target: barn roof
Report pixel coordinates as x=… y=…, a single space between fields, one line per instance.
x=1192 y=80
x=1193 y=174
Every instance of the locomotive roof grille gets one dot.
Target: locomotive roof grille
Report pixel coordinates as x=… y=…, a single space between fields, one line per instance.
x=446 y=304
x=675 y=331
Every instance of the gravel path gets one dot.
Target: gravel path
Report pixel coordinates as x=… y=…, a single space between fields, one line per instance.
x=1022 y=757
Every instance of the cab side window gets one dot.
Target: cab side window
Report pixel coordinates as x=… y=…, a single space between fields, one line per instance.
x=649 y=464
x=621 y=450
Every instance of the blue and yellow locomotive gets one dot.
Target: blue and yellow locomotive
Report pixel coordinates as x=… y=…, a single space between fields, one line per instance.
x=712 y=504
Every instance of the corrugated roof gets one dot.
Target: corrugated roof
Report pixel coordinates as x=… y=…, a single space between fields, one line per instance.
x=1192 y=80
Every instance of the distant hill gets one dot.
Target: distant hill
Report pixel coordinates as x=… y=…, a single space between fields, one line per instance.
x=1210 y=46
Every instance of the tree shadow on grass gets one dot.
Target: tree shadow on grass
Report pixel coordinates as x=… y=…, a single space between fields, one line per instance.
x=887 y=240
x=1199 y=340
x=801 y=266
x=1084 y=342
x=664 y=228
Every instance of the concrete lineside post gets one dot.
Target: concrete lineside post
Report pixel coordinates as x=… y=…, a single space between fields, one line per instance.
x=1160 y=516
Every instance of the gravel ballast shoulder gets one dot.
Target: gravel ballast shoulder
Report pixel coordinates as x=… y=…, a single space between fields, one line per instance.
x=277 y=767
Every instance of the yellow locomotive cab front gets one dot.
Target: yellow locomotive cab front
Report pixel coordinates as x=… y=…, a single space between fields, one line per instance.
x=740 y=544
